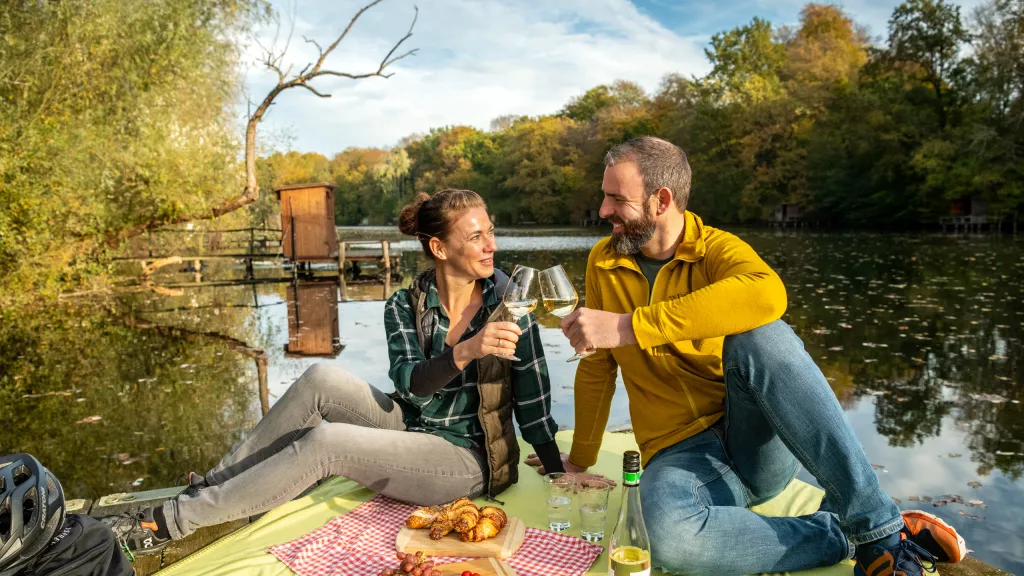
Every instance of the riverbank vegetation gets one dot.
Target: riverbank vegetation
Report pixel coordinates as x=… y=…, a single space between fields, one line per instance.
x=118 y=116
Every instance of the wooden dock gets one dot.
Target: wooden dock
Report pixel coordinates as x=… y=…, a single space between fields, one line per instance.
x=146 y=565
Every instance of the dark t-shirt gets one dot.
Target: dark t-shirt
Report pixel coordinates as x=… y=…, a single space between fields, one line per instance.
x=650 y=267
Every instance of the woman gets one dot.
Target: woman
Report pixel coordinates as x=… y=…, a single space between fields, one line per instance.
x=446 y=432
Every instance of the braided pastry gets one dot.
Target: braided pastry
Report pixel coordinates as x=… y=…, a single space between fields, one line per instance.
x=423 y=517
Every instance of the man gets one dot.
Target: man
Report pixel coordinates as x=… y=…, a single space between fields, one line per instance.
x=725 y=403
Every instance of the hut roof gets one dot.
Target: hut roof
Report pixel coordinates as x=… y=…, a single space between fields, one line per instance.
x=304 y=185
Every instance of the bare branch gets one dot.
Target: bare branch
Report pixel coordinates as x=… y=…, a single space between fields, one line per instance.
x=313 y=90
x=351 y=23
x=315 y=43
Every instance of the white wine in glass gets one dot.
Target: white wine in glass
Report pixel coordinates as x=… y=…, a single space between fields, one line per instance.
x=519 y=297
x=560 y=297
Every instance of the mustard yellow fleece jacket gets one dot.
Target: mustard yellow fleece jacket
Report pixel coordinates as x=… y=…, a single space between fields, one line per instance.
x=715 y=286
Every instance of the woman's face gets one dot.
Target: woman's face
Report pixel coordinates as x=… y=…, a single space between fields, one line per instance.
x=470 y=246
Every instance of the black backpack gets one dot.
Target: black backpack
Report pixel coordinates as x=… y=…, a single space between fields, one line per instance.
x=83 y=547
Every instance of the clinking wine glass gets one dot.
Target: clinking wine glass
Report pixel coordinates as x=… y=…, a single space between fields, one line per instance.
x=519 y=297
x=560 y=297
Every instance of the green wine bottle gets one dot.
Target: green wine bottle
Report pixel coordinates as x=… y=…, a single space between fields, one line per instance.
x=629 y=552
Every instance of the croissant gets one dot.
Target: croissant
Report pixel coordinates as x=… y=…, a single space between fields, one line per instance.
x=492 y=520
x=463 y=515
x=423 y=517
x=460 y=516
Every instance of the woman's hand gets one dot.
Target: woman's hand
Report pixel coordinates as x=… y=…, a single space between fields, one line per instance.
x=493 y=338
x=577 y=472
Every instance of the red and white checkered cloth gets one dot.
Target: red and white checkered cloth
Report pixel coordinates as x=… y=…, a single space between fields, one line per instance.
x=362 y=543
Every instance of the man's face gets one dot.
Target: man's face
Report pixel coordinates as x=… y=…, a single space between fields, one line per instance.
x=625 y=205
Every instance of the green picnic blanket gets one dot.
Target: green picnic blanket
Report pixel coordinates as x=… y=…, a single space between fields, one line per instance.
x=244 y=552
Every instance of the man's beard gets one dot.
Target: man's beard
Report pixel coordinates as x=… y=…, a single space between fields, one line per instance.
x=635 y=234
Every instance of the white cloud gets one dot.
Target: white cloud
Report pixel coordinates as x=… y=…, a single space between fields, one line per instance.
x=477 y=60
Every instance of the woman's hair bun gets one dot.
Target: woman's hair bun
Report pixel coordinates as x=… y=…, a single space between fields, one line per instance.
x=408 y=219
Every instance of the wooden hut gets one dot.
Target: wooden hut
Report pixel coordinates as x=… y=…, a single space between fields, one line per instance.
x=313 y=319
x=307 y=222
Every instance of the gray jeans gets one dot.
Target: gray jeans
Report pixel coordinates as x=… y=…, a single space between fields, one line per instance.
x=328 y=423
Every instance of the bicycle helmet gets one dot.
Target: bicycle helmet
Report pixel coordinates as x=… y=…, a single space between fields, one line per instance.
x=31 y=511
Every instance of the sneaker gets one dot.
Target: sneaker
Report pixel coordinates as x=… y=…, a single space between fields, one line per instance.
x=903 y=559
x=194 y=483
x=136 y=531
x=931 y=533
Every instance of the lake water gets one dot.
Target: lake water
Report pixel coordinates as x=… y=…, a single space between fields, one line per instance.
x=920 y=337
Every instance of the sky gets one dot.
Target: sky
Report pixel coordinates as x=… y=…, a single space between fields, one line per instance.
x=480 y=59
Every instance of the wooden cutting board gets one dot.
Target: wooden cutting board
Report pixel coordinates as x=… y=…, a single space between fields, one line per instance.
x=504 y=545
x=481 y=566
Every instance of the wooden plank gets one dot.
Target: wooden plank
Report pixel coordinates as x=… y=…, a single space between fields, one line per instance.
x=970 y=566
x=199 y=540
x=78 y=506
x=482 y=566
x=132 y=501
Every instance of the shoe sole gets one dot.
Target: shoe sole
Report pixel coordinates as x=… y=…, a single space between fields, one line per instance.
x=941 y=524
x=152 y=549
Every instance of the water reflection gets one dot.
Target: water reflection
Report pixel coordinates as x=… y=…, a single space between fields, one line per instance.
x=919 y=336
x=313 y=319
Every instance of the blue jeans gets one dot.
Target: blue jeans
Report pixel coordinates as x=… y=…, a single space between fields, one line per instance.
x=779 y=413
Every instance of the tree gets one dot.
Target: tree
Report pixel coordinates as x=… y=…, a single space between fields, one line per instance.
x=116 y=119
x=929 y=35
x=746 y=62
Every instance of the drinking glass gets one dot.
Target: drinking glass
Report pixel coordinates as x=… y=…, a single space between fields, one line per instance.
x=593 y=501
x=559 y=297
x=519 y=297
x=560 y=488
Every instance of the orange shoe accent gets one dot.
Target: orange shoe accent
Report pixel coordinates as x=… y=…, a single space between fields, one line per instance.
x=934 y=535
x=149 y=525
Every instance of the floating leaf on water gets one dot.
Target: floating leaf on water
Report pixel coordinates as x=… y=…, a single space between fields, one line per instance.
x=914 y=498
x=952 y=455
x=89 y=420
x=972 y=516
x=974 y=484
x=977 y=504
x=878 y=467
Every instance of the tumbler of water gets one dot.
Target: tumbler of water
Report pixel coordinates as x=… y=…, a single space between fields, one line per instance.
x=560 y=488
x=593 y=498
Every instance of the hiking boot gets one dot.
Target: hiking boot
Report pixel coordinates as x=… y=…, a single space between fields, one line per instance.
x=136 y=531
x=934 y=535
x=904 y=559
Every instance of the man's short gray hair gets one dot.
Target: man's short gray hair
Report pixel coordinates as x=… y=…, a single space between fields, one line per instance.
x=661 y=163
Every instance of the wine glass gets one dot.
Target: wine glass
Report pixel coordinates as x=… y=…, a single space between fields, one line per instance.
x=518 y=298
x=560 y=297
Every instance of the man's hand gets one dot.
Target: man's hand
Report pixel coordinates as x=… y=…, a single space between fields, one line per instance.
x=589 y=330
x=577 y=472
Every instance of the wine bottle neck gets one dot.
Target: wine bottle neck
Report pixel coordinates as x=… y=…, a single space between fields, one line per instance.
x=631 y=478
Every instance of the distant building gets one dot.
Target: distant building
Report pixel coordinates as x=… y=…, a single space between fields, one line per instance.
x=787 y=215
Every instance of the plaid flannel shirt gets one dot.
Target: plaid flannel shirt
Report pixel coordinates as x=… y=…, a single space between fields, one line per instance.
x=452 y=411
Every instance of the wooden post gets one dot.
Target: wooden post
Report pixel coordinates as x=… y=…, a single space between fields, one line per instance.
x=341 y=271
x=197 y=266
x=261 y=373
x=386 y=248
x=249 y=272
